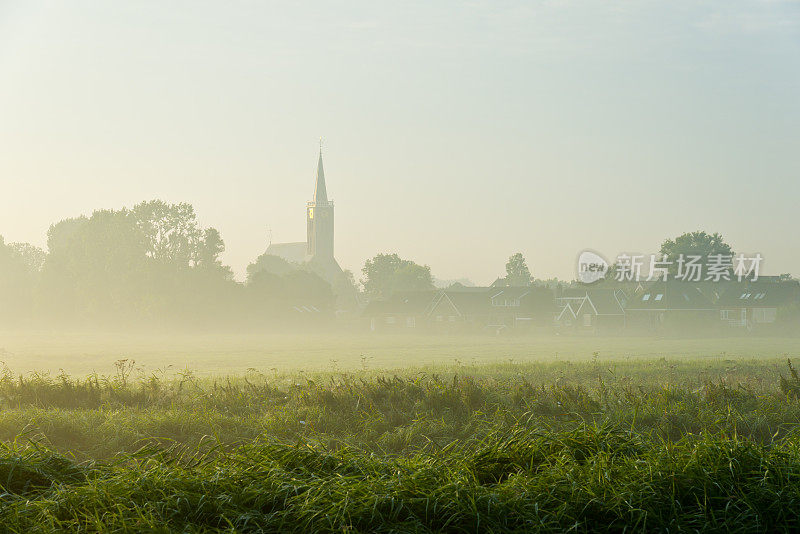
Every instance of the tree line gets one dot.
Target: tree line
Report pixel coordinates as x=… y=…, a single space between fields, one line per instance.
x=154 y=265
x=149 y=265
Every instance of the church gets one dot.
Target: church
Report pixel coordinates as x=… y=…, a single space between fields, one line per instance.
x=317 y=252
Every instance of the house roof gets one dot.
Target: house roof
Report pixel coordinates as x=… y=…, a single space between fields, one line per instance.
x=766 y=294
x=509 y=292
x=567 y=307
x=603 y=300
x=466 y=289
x=669 y=295
x=469 y=302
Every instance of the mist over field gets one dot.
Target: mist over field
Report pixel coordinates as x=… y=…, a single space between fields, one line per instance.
x=415 y=267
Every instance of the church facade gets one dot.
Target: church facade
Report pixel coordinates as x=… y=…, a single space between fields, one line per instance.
x=317 y=253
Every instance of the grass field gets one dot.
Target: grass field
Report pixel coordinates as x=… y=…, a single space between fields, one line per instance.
x=394 y=434
x=225 y=355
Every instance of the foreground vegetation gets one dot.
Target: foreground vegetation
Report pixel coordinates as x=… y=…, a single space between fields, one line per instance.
x=597 y=445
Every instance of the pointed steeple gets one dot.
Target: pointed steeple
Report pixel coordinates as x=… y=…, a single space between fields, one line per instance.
x=320 y=192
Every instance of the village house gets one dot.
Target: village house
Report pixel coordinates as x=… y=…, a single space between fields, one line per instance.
x=670 y=303
x=452 y=309
x=520 y=307
x=405 y=310
x=754 y=304
x=591 y=310
x=457 y=309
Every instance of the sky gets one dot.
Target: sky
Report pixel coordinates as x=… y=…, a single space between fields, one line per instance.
x=455 y=133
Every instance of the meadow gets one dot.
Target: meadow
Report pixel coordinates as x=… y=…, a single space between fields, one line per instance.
x=227 y=354
x=398 y=434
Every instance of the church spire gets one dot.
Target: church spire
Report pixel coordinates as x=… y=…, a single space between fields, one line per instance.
x=320 y=192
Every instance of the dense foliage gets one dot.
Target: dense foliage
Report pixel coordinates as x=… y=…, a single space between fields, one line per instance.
x=387 y=273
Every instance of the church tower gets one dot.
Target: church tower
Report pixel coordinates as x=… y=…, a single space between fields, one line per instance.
x=319 y=219
x=317 y=252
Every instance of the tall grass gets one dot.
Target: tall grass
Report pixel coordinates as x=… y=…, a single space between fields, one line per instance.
x=607 y=446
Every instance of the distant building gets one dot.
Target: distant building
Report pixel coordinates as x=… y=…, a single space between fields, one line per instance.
x=317 y=251
x=520 y=306
x=402 y=311
x=591 y=309
x=459 y=308
x=453 y=309
x=670 y=303
x=753 y=304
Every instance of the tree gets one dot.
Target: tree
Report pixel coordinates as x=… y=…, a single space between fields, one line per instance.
x=411 y=277
x=301 y=285
x=387 y=273
x=170 y=231
x=208 y=252
x=173 y=236
x=351 y=279
x=517 y=272
x=61 y=234
x=269 y=263
x=148 y=263
x=17 y=282
x=281 y=297
x=31 y=256
x=96 y=267
x=697 y=243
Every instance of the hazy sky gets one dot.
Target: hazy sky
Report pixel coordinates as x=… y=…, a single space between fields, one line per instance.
x=456 y=133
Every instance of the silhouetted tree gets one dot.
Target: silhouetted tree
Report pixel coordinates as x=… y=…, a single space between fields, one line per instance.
x=269 y=263
x=697 y=243
x=18 y=278
x=387 y=273
x=150 y=263
x=33 y=257
x=517 y=272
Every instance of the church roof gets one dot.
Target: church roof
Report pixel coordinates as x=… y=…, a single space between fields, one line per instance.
x=320 y=191
x=294 y=252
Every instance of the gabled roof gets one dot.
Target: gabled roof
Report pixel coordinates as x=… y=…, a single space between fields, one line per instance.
x=509 y=292
x=567 y=308
x=768 y=294
x=574 y=301
x=669 y=295
x=469 y=302
x=603 y=300
x=466 y=289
